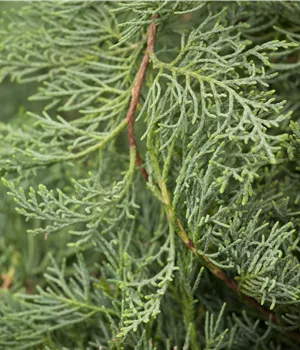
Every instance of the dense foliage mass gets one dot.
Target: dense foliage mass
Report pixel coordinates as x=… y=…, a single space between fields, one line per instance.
x=180 y=234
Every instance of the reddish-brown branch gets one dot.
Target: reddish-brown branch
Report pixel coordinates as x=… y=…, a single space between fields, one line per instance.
x=232 y=284
x=136 y=91
x=217 y=271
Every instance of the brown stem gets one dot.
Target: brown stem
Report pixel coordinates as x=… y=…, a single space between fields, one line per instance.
x=136 y=91
x=7 y=278
x=231 y=283
x=215 y=270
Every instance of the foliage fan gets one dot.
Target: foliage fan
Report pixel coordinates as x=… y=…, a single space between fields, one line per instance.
x=158 y=176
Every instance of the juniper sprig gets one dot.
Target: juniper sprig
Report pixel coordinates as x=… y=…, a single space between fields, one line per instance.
x=157 y=175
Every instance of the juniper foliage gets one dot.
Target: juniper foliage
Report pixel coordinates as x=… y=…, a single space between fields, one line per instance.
x=202 y=255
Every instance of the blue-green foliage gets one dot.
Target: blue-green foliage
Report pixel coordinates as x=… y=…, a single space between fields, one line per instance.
x=217 y=127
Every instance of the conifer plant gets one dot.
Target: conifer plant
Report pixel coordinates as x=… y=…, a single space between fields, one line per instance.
x=154 y=189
